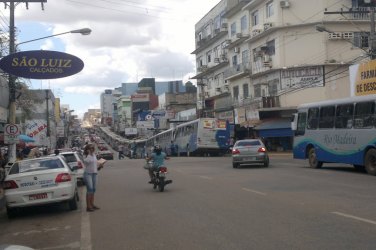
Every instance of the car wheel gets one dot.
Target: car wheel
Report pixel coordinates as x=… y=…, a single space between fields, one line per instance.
x=312 y=159
x=73 y=202
x=235 y=165
x=266 y=163
x=11 y=212
x=370 y=161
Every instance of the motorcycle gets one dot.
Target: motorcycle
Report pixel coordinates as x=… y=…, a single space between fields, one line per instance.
x=158 y=176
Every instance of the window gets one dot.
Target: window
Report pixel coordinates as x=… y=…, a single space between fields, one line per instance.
x=273 y=88
x=255 y=18
x=313 y=118
x=245 y=90
x=233 y=29
x=234 y=60
x=361 y=39
x=208 y=56
x=302 y=120
x=243 y=23
x=245 y=57
x=217 y=23
x=236 y=92
x=364 y=115
x=269 y=9
x=271 y=47
x=257 y=90
x=326 y=117
x=344 y=116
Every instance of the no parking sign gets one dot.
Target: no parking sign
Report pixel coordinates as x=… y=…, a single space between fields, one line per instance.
x=11 y=132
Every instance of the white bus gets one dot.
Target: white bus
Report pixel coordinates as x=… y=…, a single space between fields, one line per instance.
x=199 y=137
x=337 y=131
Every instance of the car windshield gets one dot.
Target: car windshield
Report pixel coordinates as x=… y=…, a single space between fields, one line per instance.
x=248 y=143
x=70 y=157
x=35 y=165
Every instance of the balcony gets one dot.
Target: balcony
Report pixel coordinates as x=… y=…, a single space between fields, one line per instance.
x=258 y=102
x=203 y=71
x=211 y=39
x=358 y=16
x=237 y=71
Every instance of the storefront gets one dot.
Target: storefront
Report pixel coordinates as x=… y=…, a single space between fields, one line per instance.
x=276 y=134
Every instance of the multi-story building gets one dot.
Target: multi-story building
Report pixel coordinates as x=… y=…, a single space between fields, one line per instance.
x=107 y=100
x=278 y=59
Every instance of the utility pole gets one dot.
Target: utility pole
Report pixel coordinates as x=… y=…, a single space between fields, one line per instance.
x=12 y=78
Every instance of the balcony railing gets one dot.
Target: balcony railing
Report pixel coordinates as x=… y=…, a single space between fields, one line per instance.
x=238 y=70
x=358 y=16
x=258 y=102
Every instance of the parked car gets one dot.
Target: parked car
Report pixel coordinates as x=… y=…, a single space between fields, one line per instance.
x=105 y=154
x=75 y=159
x=249 y=151
x=40 y=181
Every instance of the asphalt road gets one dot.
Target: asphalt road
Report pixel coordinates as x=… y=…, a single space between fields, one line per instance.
x=210 y=205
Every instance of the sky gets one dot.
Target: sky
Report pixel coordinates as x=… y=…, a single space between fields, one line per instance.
x=130 y=40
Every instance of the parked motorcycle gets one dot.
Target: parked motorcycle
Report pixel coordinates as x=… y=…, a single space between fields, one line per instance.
x=158 y=176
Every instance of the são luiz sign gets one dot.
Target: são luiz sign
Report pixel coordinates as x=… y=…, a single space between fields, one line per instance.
x=41 y=64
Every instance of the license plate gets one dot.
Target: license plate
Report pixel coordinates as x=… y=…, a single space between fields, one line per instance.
x=249 y=158
x=38 y=196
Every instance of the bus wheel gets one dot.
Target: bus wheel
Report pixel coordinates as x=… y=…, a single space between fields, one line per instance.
x=370 y=161
x=312 y=159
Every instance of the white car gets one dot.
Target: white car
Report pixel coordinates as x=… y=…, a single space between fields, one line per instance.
x=75 y=159
x=40 y=181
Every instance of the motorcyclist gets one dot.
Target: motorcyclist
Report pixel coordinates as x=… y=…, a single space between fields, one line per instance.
x=158 y=158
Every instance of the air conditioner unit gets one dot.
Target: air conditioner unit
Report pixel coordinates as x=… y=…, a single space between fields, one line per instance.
x=228 y=41
x=268 y=25
x=236 y=50
x=224 y=25
x=203 y=68
x=239 y=35
x=216 y=31
x=255 y=32
x=226 y=87
x=223 y=56
x=216 y=60
x=218 y=89
x=334 y=35
x=284 y=4
x=267 y=58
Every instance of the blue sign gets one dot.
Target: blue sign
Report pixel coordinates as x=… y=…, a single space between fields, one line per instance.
x=41 y=64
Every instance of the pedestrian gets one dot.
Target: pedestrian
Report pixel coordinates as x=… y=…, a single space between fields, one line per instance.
x=120 y=150
x=90 y=176
x=188 y=149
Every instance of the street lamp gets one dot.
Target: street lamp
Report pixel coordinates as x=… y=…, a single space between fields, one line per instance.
x=12 y=79
x=84 y=32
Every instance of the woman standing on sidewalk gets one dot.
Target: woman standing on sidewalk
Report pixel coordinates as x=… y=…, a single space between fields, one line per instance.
x=90 y=176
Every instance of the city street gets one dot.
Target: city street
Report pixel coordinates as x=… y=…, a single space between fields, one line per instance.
x=210 y=205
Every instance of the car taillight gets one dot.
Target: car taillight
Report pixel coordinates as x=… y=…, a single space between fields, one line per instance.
x=235 y=151
x=63 y=177
x=163 y=169
x=262 y=150
x=79 y=164
x=10 y=185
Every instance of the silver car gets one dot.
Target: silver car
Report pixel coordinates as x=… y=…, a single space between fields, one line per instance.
x=249 y=151
x=40 y=181
x=75 y=159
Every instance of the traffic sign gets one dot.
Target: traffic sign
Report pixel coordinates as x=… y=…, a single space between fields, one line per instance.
x=11 y=132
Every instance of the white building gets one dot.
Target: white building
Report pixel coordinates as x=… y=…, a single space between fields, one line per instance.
x=277 y=58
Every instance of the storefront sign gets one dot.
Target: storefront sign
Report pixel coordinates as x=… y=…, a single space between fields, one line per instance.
x=302 y=77
x=41 y=64
x=363 y=79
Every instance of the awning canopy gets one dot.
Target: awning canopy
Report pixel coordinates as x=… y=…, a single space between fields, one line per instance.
x=275 y=128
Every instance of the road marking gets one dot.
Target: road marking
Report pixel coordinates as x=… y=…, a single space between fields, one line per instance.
x=85 y=226
x=253 y=191
x=205 y=177
x=355 y=217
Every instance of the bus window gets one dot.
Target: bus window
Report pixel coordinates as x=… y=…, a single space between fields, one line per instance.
x=364 y=115
x=326 y=117
x=302 y=120
x=313 y=118
x=344 y=116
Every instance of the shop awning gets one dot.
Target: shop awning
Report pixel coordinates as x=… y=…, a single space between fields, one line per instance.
x=275 y=128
